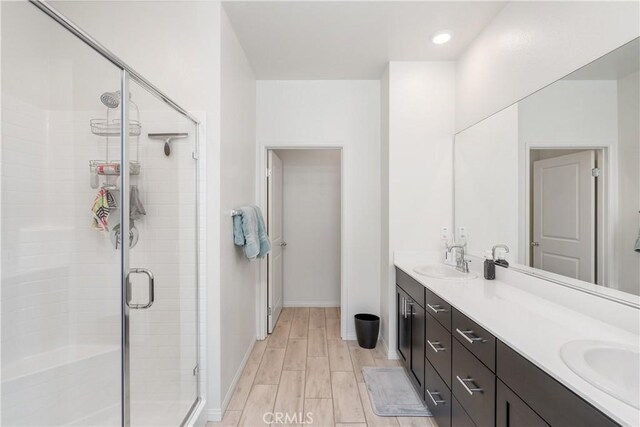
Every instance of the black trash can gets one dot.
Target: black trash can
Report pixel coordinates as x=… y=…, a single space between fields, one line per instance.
x=367 y=328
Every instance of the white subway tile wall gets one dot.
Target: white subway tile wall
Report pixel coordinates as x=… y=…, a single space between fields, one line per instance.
x=61 y=278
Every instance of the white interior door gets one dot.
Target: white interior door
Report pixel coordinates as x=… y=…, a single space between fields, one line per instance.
x=274 y=260
x=564 y=215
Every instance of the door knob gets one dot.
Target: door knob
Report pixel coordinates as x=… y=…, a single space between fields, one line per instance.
x=283 y=244
x=535 y=243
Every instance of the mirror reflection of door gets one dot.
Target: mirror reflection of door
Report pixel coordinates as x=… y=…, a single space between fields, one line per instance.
x=564 y=201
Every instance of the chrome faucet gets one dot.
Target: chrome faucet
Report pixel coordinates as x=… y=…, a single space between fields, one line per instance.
x=462 y=264
x=499 y=246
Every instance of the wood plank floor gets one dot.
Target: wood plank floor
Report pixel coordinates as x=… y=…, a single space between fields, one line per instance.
x=304 y=367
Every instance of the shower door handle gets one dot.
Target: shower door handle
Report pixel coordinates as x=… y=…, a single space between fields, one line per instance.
x=151 y=280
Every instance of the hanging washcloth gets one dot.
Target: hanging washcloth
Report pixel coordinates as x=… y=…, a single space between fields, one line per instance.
x=100 y=210
x=637 y=247
x=136 y=209
x=111 y=201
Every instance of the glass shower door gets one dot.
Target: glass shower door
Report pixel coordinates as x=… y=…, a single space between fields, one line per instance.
x=162 y=289
x=60 y=273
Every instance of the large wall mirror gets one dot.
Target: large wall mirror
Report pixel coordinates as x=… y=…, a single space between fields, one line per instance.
x=556 y=177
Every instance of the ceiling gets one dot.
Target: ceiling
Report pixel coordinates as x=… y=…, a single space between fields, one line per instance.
x=299 y=40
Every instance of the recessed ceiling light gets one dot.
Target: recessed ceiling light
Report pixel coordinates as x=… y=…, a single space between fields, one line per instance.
x=441 y=37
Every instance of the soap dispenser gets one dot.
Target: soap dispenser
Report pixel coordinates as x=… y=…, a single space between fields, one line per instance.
x=489 y=266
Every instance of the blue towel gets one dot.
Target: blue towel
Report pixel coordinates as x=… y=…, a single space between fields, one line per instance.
x=265 y=244
x=238 y=235
x=249 y=231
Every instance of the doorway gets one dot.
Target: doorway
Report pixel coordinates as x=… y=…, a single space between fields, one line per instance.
x=566 y=209
x=304 y=206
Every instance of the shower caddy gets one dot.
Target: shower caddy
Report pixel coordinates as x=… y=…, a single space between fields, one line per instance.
x=107 y=168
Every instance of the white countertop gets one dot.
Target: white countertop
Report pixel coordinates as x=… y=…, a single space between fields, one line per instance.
x=534 y=324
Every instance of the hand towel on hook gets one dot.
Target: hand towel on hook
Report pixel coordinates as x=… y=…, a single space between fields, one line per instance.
x=249 y=231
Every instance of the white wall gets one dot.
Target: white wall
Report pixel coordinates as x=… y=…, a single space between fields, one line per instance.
x=529 y=45
x=570 y=113
x=311 y=225
x=421 y=127
x=629 y=182
x=385 y=256
x=486 y=183
x=238 y=275
x=338 y=113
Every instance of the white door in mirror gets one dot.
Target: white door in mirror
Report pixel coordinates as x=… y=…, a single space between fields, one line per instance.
x=564 y=215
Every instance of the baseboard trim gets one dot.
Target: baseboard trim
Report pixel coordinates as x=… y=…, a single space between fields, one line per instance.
x=215 y=414
x=311 y=304
x=392 y=355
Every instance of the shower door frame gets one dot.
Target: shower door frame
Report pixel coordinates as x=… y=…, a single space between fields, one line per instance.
x=126 y=73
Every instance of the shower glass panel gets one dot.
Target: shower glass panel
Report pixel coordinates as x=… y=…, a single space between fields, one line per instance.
x=162 y=337
x=99 y=292
x=61 y=275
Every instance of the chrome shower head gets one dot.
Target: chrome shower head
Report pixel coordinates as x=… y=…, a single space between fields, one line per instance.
x=111 y=99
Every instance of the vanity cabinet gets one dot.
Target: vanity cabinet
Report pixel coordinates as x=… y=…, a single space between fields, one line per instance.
x=411 y=327
x=511 y=411
x=470 y=378
x=550 y=399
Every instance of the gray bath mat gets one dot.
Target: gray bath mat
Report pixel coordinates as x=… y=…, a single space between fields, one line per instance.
x=392 y=394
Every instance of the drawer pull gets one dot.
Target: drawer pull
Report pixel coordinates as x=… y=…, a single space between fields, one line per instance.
x=434 y=344
x=435 y=393
x=471 y=339
x=470 y=390
x=436 y=308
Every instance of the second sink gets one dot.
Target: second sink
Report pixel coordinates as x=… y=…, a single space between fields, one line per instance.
x=613 y=368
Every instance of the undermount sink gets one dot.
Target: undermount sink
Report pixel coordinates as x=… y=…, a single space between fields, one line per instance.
x=613 y=368
x=444 y=272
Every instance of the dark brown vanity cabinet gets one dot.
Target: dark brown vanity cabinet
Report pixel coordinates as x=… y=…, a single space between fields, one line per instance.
x=404 y=327
x=471 y=379
x=411 y=327
x=511 y=411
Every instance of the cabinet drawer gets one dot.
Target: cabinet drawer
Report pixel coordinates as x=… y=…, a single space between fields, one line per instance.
x=438 y=348
x=459 y=418
x=475 y=338
x=438 y=308
x=474 y=385
x=555 y=403
x=414 y=289
x=511 y=411
x=437 y=396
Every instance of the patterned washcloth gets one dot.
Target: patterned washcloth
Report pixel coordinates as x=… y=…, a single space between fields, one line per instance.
x=111 y=201
x=100 y=209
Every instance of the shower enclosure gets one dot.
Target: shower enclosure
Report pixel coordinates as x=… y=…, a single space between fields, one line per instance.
x=99 y=235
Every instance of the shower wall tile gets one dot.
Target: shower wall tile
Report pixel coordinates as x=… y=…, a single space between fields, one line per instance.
x=61 y=278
